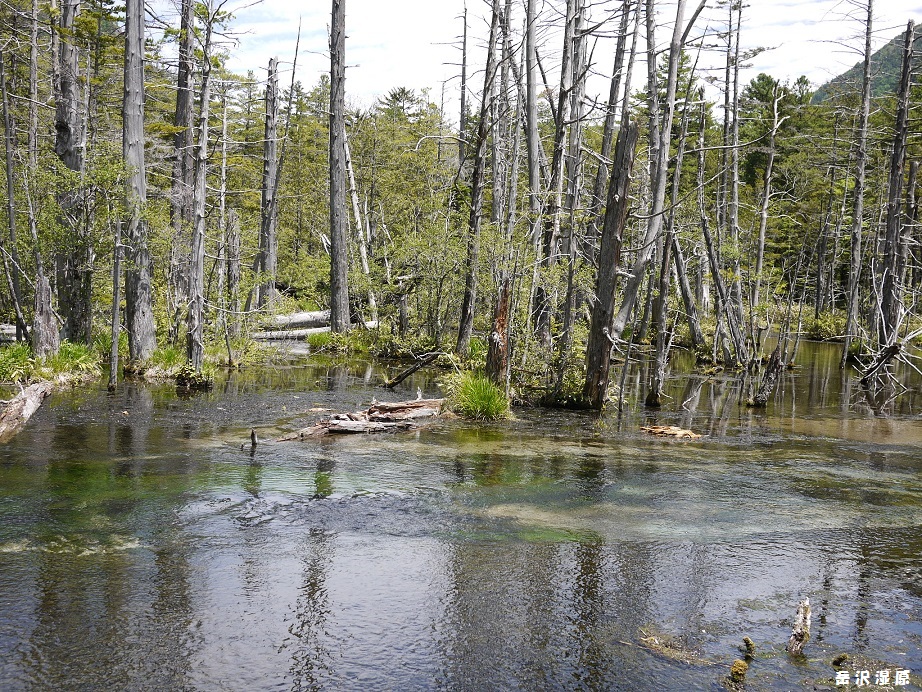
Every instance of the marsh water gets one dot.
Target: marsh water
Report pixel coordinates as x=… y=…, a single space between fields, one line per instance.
x=145 y=545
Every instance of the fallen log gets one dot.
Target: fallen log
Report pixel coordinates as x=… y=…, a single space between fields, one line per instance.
x=21 y=407
x=422 y=362
x=298 y=334
x=379 y=417
x=298 y=320
x=670 y=431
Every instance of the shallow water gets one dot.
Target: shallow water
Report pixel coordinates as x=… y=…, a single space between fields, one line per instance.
x=142 y=548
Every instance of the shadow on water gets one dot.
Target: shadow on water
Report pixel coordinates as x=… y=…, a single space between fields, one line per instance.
x=144 y=543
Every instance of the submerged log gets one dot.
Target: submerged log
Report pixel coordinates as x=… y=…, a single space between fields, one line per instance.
x=379 y=417
x=670 y=431
x=21 y=407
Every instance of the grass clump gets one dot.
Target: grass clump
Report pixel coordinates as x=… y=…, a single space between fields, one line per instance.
x=473 y=395
x=72 y=361
x=16 y=362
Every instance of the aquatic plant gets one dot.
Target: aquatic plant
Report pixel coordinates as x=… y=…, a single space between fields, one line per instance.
x=473 y=395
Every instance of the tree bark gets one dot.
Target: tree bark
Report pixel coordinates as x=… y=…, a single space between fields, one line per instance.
x=139 y=313
x=339 y=248
x=598 y=349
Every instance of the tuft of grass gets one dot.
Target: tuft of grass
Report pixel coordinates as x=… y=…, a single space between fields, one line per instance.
x=16 y=362
x=473 y=395
x=71 y=360
x=319 y=341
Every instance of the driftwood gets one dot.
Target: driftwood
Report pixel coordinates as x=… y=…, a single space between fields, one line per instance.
x=422 y=362
x=380 y=417
x=883 y=359
x=670 y=431
x=21 y=407
x=800 y=635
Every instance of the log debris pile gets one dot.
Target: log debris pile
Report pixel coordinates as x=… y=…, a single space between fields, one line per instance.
x=21 y=407
x=670 y=431
x=380 y=417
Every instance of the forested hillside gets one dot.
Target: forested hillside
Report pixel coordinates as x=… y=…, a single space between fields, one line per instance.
x=547 y=235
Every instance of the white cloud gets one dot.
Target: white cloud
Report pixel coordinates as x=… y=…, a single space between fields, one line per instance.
x=392 y=43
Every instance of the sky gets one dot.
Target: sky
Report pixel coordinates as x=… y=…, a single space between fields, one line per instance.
x=415 y=43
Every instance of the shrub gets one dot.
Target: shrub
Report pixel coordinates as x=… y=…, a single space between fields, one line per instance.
x=472 y=395
x=829 y=326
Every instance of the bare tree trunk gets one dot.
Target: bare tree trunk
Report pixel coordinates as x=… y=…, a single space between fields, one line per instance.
x=598 y=349
x=574 y=184
x=9 y=141
x=183 y=175
x=462 y=121
x=766 y=200
x=360 y=238
x=466 y=322
x=861 y=157
x=139 y=313
x=608 y=129
x=33 y=87
x=724 y=309
x=115 y=323
x=660 y=140
x=552 y=208
x=661 y=304
x=233 y=271
x=74 y=267
x=339 y=248
x=195 y=338
x=268 y=243
x=891 y=299
x=498 y=347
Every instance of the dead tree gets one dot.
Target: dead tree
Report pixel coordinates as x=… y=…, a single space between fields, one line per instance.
x=139 y=313
x=268 y=243
x=599 y=347
x=466 y=321
x=660 y=138
x=74 y=266
x=195 y=338
x=861 y=157
x=891 y=298
x=339 y=247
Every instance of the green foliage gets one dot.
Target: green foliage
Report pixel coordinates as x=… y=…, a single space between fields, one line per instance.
x=71 y=360
x=167 y=357
x=829 y=326
x=473 y=395
x=15 y=362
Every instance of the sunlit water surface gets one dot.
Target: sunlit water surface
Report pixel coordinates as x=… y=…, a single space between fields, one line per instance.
x=145 y=545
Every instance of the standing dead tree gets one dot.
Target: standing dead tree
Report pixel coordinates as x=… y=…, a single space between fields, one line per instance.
x=339 y=247
x=466 y=322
